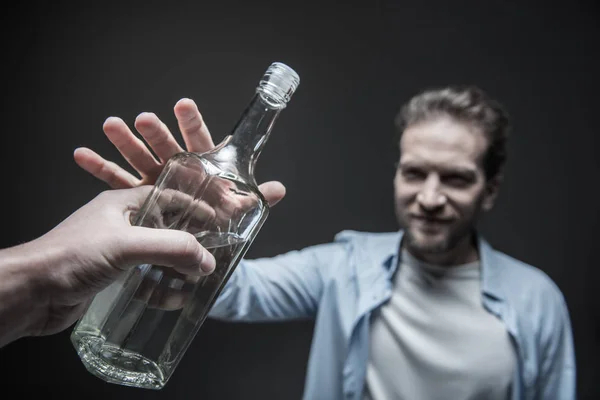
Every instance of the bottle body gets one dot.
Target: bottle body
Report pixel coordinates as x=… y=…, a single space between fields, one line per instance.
x=135 y=331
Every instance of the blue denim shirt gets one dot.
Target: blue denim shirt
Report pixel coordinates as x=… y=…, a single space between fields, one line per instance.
x=341 y=283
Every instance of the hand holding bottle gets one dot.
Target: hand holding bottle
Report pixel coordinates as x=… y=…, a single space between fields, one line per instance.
x=217 y=209
x=47 y=283
x=157 y=135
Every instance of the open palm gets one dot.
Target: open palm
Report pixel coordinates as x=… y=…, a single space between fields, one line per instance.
x=195 y=134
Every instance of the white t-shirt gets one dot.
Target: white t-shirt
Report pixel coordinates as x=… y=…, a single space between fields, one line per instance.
x=435 y=340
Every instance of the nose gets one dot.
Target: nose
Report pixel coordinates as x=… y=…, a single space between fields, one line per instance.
x=429 y=197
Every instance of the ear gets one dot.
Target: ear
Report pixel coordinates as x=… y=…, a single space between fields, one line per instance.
x=492 y=187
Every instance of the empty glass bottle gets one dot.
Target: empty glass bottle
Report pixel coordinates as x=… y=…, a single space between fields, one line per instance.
x=136 y=331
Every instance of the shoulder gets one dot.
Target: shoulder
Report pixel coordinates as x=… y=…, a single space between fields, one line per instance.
x=531 y=293
x=522 y=278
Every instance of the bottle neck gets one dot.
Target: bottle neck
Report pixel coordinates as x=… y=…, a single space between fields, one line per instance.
x=249 y=136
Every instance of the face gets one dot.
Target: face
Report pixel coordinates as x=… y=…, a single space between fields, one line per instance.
x=440 y=185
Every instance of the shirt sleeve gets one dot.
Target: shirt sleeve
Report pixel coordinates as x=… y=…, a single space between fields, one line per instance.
x=557 y=378
x=284 y=287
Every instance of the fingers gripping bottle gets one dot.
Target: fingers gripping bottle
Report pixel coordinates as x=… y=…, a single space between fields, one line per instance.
x=136 y=331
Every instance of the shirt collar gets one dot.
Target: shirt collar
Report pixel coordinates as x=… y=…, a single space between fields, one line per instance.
x=491 y=269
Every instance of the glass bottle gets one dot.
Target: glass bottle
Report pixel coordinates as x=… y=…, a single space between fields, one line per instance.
x=136 y=331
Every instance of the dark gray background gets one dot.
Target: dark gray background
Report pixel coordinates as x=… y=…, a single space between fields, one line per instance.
x=68 y=67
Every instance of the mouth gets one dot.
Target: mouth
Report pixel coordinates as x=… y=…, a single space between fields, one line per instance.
x=430 y=225
x=431 y=220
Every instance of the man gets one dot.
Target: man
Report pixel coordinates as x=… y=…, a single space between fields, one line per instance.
x=429 y=312
x=45 y=284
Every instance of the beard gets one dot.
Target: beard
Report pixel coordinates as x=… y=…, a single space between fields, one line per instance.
x=451 y=237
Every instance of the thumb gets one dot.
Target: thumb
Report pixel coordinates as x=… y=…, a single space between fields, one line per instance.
x=273 y=192
x=166 y=247
x=134 y=197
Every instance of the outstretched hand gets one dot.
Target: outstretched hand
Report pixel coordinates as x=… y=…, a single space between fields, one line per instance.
x=195 y=134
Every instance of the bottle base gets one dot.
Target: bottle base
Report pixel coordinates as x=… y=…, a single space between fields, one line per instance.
x=115 y=365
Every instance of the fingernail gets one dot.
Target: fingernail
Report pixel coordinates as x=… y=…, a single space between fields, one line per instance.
x=146 y=114
x=208 y=262
x=112 y=118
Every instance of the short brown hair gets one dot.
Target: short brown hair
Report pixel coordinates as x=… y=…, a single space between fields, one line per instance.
x=467 y=104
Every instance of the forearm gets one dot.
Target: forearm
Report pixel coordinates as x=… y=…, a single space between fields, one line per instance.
x=276 y=289
x=20 y=303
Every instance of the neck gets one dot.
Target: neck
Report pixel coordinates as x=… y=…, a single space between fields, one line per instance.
x=463 y=252
x=251 y=133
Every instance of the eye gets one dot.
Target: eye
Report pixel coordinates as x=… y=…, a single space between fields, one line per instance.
x=412 y=174
x=456 y=180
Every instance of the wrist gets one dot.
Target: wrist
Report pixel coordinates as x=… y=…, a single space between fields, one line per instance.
x=23 y=300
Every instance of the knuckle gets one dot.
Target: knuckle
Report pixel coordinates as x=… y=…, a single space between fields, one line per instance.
x=104 y=195
x=194 y=123
x=112 y=179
